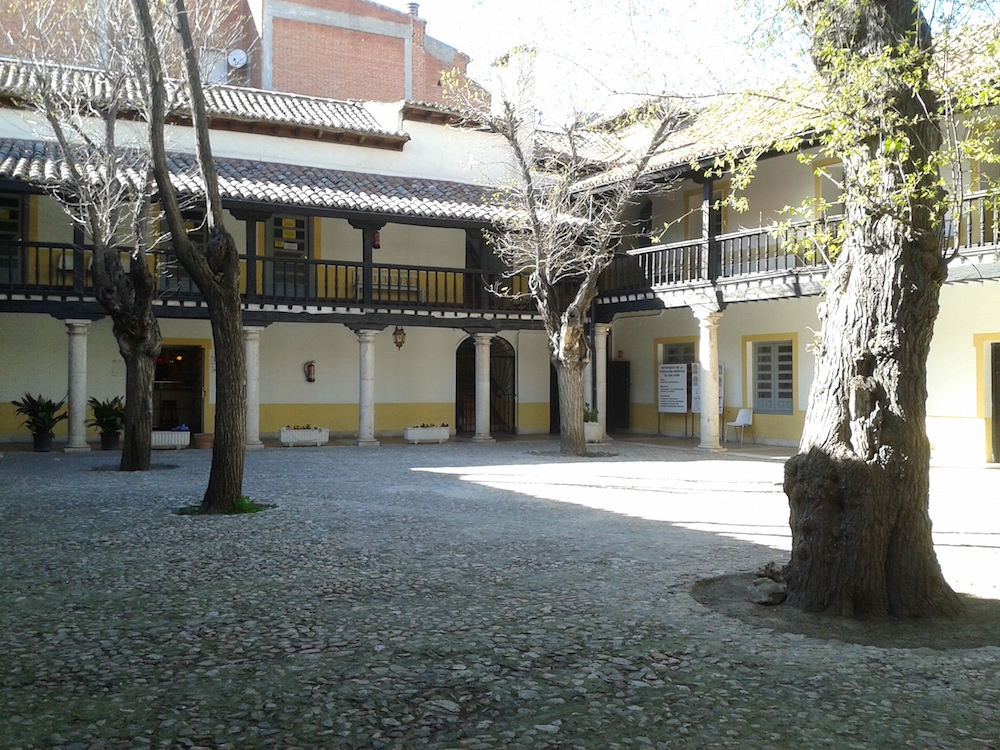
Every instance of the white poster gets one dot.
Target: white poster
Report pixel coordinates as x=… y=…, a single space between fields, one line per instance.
x=696 y=387
x=672 y=391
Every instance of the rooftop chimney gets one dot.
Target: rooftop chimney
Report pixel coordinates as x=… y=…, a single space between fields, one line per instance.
x=414 y=9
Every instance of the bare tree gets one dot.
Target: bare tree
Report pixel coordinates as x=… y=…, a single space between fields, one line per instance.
x=108 y=184
x=217 y=271
x=563 y=224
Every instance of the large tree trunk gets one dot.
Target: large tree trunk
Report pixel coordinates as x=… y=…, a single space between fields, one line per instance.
x=128 y=299
x=140 y=371
x=225 y=482
x=570 y=355
x=858 y=489
x=569 y=375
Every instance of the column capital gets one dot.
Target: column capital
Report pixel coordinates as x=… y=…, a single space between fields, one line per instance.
x=252 y=331
x=707 y=317
x=367 y=334
x=602 y=329
x=78 y=325
x=482 y=339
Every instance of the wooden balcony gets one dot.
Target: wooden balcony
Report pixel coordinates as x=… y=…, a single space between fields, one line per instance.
x=775 y=262
x=54 y=272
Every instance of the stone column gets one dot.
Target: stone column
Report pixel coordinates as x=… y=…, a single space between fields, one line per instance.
x=708 y=361
x=366 y=394
x=76 y=400
x=601 y=331
x=251 y=340
x=483 y=341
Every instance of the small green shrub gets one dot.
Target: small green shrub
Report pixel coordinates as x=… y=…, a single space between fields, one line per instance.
x=40 y=413
x=109 y=416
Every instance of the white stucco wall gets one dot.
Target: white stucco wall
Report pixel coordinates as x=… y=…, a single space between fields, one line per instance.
x=636 y=337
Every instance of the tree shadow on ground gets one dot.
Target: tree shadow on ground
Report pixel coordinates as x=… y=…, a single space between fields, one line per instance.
x=979 y=626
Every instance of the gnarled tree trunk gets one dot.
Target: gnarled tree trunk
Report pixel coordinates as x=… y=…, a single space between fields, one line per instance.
x=858 y=489
x=128 y=299
x=140 y=371
x=570 y=355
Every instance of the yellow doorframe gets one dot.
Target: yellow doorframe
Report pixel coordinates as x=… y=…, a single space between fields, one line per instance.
x=980 y=342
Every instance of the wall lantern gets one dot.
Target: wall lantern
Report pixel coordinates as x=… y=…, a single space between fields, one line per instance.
x=309 y=368
x=399 y=337
x=376 y=240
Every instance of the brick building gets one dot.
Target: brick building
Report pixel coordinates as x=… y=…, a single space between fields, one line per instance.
x=337 y=49
x=343 y=49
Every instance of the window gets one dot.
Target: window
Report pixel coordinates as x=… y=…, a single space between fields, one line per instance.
x=678 y=354
x=12 y=215
x=774 y=377
x=288 y=274
x=693 y=218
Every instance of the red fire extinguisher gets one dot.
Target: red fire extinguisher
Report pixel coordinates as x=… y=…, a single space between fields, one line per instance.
x=310 y=370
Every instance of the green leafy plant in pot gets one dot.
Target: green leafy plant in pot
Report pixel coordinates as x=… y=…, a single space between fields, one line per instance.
x=109 y=419
x=41 y=417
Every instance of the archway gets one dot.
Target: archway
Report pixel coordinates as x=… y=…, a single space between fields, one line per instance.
x=503 y=397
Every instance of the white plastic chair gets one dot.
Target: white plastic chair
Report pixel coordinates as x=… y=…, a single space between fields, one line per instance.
x=744 y=419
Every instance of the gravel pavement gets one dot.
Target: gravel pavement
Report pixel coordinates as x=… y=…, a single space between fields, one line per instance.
x=448 y=596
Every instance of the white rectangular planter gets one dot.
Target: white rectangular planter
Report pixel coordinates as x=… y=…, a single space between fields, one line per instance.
x=312 y=436
x=426 y=434
x=592 y=431
x=175 y=439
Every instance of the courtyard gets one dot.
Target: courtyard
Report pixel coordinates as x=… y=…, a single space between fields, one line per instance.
x=452 y=596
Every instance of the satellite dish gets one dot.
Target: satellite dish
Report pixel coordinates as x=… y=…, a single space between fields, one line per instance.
x=237 y=58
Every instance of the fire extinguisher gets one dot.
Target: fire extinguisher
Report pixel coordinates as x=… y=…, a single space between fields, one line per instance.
x=310 y=370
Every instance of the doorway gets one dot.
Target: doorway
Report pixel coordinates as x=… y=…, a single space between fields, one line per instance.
x=503 y=397
x=179 y=388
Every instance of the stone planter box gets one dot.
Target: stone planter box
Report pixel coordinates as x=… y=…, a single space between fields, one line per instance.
x=175 y=439
x=313 y=436
x=592 y=431
x=426 y=434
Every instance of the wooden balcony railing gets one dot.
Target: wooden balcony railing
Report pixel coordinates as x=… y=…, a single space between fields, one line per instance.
x=34 y=268
x=54 y=269
x=977 y=225
x=749 y=252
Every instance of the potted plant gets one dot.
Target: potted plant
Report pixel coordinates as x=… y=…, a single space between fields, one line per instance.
x=591 y=427
x=109 y=419
x=41 y=418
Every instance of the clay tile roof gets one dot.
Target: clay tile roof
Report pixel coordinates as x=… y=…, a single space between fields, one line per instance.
x=40 y=163
x=19 y=78
x=729 y=123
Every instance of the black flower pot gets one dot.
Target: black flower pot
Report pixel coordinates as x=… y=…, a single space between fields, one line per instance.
x=43 y=442
x=109 y=441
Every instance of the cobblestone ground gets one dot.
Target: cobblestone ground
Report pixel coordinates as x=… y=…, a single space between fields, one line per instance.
x=453 y=596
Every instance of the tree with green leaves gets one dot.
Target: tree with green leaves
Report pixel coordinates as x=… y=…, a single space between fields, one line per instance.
x=858 y=487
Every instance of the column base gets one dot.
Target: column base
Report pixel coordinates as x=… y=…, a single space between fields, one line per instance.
x=76 y=449
x=258 y=446
x=483 y=439
x=713 y=448
x=367 y=443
